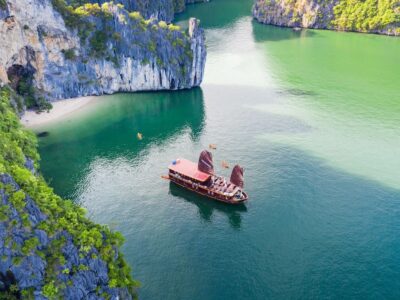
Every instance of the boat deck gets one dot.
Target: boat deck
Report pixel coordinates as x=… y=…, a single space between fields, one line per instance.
x=217 y=188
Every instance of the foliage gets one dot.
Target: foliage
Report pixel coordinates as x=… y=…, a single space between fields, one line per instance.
x=3 y=4
x=43 y=105
x=26 y=89
x=76 y=15
x=17 y=144
x=69 y=53
x=366 y=15
x=116 y=36
x=50 y=290
x=96 y=30
x=98 y=43
x=179 y=6
x=4 y=211
x=17 y=199
x=30 y=245
x=135 y=15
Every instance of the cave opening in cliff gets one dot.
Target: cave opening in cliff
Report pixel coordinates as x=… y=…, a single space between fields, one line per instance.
x=21 y=80
x=8 y=286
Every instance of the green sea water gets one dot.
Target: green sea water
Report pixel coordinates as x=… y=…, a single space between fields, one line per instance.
x=313 y=116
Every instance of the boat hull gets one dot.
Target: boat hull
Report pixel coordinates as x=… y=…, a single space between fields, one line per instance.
x=207 y=193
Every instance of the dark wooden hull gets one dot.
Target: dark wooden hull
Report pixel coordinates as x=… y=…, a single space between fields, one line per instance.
x=208 y=193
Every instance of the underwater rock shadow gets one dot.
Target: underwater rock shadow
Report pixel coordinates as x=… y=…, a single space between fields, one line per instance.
x=297 y=92
x=274 y=33
x=207 y=206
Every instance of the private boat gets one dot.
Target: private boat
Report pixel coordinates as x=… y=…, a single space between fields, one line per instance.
x=200 y=178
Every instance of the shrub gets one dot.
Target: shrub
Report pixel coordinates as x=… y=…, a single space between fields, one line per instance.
x=18 y=200
x=98 y=43
x=43 y=105
x=3 y=4
x=135 y=15
x=29 y=245
x=179 y=5
x=50 y=290
x=116 y=36
x=152 y=46
x=62 y=215
x=163 y=24
x=69 y=53
x=4 y=211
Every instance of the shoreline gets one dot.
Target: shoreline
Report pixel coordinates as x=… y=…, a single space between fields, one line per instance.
x=60 y=110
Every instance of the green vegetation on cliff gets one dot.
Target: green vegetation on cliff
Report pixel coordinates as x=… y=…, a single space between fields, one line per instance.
x=366 y=15
x=76 y=16
x=90 y=20
x=376 y=16
x=3 y=4
x=62 y=216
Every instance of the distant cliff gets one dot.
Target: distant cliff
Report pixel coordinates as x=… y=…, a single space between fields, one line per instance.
x=63 y=51
x=160 y=9
x=48 y=248
x=382 y=16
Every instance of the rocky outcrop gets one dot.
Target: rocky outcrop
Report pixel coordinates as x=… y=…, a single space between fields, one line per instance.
x=48 y=248
x=99 y=52
x=87 y=276
x=159 y=9
x=305 y=13
x=326 y=14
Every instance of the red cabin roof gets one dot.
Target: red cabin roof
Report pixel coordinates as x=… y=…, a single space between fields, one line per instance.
x=189 y=169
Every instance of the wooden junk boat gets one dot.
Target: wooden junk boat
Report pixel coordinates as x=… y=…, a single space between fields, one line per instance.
x=200 y=179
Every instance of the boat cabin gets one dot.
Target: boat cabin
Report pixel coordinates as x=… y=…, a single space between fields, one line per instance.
x=187 y=174
x=187 y=169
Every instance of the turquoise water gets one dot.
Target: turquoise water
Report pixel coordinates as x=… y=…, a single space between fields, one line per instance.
x=313 y=116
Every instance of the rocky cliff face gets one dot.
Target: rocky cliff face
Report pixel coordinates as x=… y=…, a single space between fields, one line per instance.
x=329 y=14
x=305 y=13
x=159 y=9
x=23 y=269
x=101 y=50
x=48 y=248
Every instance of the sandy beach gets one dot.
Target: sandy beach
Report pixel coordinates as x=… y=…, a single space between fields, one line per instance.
x=60 y=110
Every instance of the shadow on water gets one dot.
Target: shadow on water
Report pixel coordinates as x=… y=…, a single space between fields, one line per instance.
x=110 y=131
x=297 y=92
x=216 y=14
x=42 y=134
x=271 y=33
x=207 y=206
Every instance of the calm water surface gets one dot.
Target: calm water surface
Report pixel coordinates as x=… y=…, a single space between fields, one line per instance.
x=313 y=116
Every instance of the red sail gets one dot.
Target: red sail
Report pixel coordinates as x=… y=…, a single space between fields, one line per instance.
x=205 y=162
x=237 y=176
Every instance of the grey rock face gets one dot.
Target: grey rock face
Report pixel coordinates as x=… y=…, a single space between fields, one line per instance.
x=27 y=270
x=137 y=56
x=159 y=9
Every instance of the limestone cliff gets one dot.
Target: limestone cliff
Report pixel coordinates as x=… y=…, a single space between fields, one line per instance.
x=48 y=248
x=159 y=9
x=381 y=16
x=95 y=50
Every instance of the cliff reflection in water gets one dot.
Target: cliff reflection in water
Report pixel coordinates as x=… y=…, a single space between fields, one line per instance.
x=109 y=131
x=207 y=206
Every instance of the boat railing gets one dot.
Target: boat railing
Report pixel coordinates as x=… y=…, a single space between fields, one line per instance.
x=212 y=188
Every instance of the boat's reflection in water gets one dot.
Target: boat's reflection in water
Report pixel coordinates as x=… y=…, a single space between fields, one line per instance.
x=207 y=206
